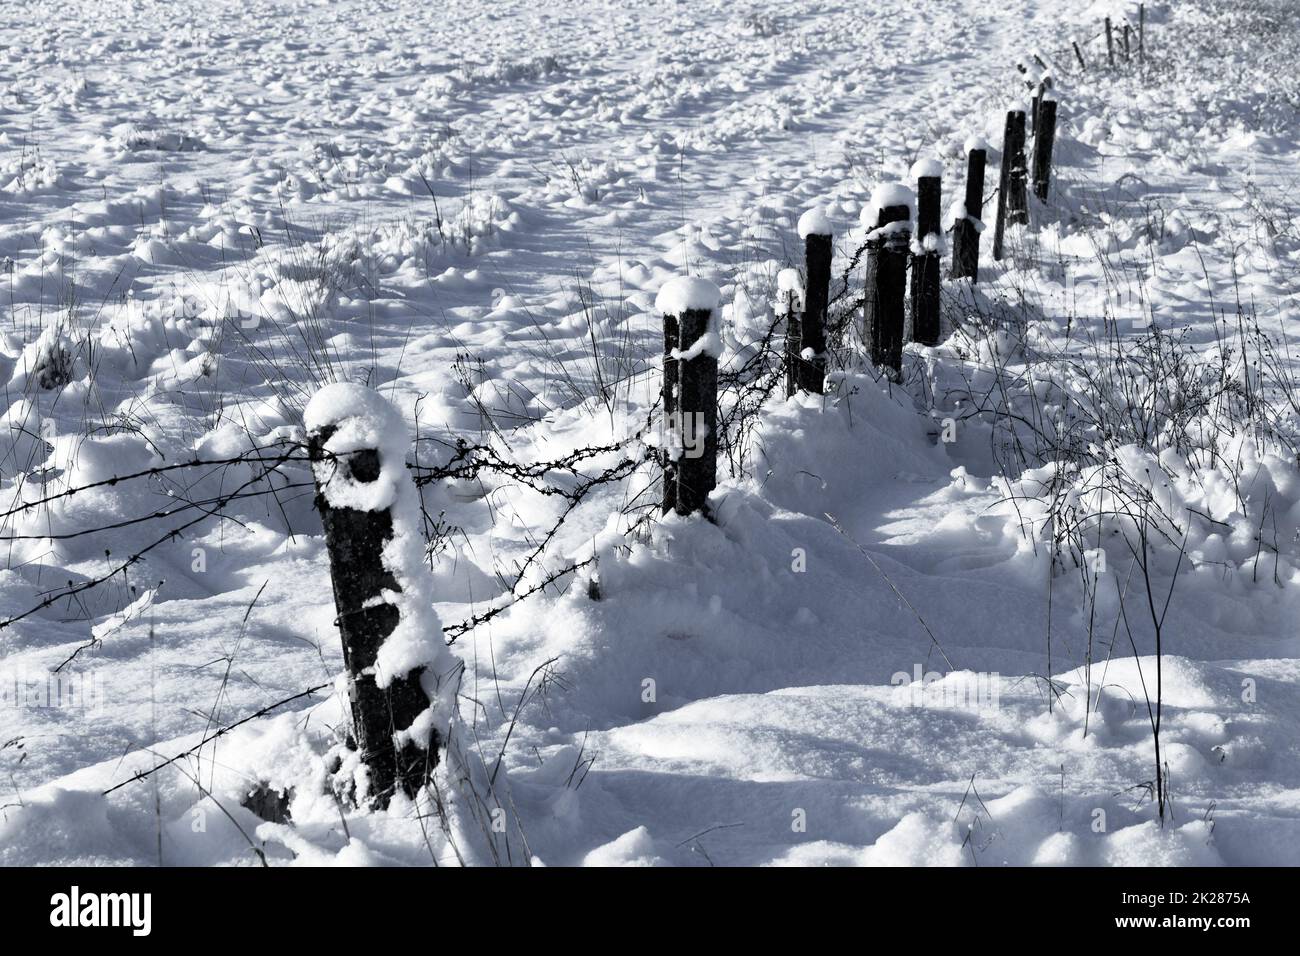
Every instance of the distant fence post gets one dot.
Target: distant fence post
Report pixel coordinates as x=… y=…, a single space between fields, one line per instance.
x=1083 y=66
x=925 y=260
x=1017 y=173
x=815 y=230
x=1128 y=52
x=1142 y=34
x=966 y=228
x=669 y=393
x=888 y=217
x=356 y=539
x=1044 y=137
x=1040 y=92
x=1110 y=45
x=790 y=304
x=691 y=456
x=1012 y=199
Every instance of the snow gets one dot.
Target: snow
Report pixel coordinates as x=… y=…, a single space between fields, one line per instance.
x=929 y=244
x=685 y=293
x=361 y=420
x=884 y=196
x=927 y=168
x=974 y=143
x=790 y=291
x=814 y=223
x=956 y=213
x=710 y=343
x=455 y=241
x=634 y=848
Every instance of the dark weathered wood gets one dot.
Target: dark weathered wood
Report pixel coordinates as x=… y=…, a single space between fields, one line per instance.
x=269 y=804
x=1017 y=173
x=817 y=260
x=965 y=234
x=1110 y=44
x=1083 y=66
x=793 y=340
x=1044 y=138
x=1128 y=53
x=926 y=266
x=355 y=541
x=1142 y=34
x=886 y=289
x=1040 y=93
x=1013 y=202
x=670 y=408
x=697 y=405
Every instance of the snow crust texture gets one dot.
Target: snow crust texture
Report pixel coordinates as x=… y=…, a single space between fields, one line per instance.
x=453 y=239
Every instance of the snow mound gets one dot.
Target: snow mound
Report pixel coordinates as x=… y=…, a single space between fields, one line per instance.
x=814 y=223
x=687 y=293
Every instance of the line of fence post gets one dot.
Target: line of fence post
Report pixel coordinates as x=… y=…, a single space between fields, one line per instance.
x=888 y=218
x=1013 y=203
x=1044 y=138
x=815 y=230
x=355 y=540
x=691 y=348
x=926 y=262
x=966 y=228
x=1110 y=45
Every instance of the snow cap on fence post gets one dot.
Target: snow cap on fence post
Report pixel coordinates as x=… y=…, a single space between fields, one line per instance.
x=689 y=306
x=814 y=223
x=401 y=677
x=686 y=294
x=789 y=292
x=892 y=206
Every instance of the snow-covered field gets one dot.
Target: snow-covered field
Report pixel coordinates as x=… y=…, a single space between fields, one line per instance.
x=208 y=211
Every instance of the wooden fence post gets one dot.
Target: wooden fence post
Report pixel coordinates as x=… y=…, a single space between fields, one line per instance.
x=926 y=249
x=366 y=588
x=1083 y=66
x=888 y=216
x=1128 y=53
x=1142 y=34
x=1110 y=45
x=1040 y=91
x=1013 y=203
x=669 y=393
x=1017 y=175
x=790 y=305
x=1044 y=137
x=815 y=231
x=966 y=227
x=691 y=304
